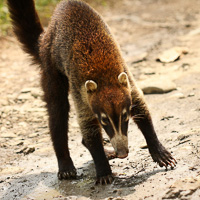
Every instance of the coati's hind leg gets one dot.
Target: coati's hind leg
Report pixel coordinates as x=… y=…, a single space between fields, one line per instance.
x=55 y=86
x=92 y=140
x=142 y=118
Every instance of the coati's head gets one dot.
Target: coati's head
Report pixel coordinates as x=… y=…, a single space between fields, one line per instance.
x=111 y=105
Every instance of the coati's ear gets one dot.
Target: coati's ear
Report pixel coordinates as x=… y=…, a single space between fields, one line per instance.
x=123 y=79
x=90 y=86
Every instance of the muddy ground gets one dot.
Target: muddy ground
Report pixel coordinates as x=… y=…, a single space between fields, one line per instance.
x=144 y=29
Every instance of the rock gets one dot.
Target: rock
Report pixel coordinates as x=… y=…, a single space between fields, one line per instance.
x=191 y=95
x=33 y=135
x=178 y=95
x=183 y=188
x=7 y=134
x=143 y=146
x=4 y=102
x=157 y=86
x=172 y=54
x=24 y=96
x=36 y=92
x=26 y=150
x=26 y=90
x=40 y=110
x=167 y=118
x=182 y=137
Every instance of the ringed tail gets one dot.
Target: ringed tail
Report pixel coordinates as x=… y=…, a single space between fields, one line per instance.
x=26 y=25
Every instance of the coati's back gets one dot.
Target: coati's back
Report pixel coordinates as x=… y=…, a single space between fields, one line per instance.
x=83 y=44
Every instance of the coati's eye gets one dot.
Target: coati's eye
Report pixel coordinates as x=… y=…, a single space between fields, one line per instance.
x=125 y=115
x=104 y=119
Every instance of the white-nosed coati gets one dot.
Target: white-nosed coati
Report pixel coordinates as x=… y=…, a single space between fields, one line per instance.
x=77 y=51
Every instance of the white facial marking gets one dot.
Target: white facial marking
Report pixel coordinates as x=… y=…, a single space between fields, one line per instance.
x=124 y=112
x=103 y=115
x=96 y=116
x=119 y=141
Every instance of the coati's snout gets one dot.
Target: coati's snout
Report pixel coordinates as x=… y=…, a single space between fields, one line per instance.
x=116 y=127
x=111 y=105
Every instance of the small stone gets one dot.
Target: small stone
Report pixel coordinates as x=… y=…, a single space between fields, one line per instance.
x=20 y=143
x=143 y=146
x=26 y=90
x=191 y=95
x=4 y=102
x=178 y=95
x=157 y=86
x=36 y=92
x=182 y=137
x=167 y=118
x=26 y=150
x=33 y=135
x=24 y=96
x=7 y=134
x=193 y=168
x=172 y=54
x=185 y=66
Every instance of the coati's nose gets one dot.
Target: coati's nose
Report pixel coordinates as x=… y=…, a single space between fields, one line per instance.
x=122 y=153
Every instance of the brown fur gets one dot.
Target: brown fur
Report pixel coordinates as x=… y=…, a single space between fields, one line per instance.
x=76 y=47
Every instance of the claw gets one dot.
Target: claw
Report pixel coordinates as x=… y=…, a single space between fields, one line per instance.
x=67 y=174
x=105 y=180
x=110 y=178
x=163 y=157
x=161 y=163
x=72 y=173
x=174 y=161
x=59 y=176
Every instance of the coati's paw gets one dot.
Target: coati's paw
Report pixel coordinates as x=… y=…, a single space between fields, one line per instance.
x=68 y=174
x=163 y=157
x=104 y=180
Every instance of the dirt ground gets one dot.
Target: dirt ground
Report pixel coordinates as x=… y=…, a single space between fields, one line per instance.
x=144 y=29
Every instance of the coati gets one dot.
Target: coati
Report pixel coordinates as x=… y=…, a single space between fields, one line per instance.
x=77 y=52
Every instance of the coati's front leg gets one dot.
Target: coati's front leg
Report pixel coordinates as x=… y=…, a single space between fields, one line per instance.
x=92 y=140
x=55 y=86
x=142 y=117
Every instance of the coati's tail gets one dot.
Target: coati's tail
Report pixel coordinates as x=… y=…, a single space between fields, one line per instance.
x=26 y=25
